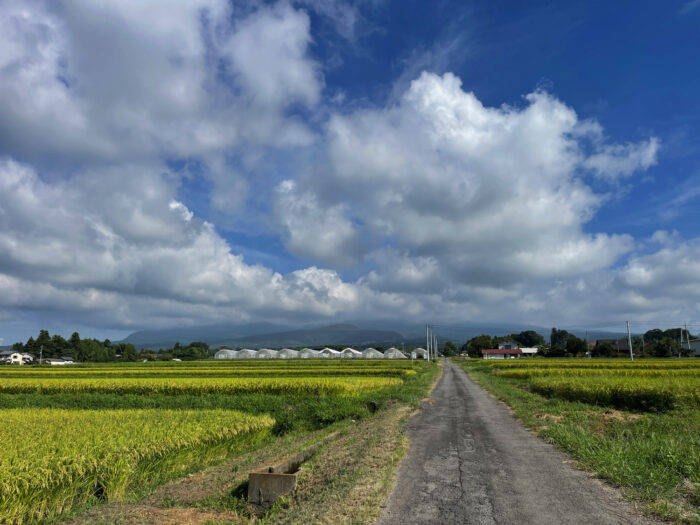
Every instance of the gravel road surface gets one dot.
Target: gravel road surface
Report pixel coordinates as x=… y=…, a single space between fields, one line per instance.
x=471 y=462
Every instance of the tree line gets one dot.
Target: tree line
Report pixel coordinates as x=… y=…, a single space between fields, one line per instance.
x=653 y=343
x=96 y=351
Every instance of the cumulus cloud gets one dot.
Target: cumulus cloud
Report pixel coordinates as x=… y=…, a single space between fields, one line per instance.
x=93 y=248
x=490 y=195
x=434 y=205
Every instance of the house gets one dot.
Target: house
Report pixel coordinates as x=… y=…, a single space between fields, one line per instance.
x=350 y=353
x=507 y=345
x=329 y=353
x=372 y=353
x=502 y=353
x=394 y=353
x=419 y=353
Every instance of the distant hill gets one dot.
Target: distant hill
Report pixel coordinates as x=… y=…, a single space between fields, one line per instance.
x=356 y=332
x=337 y=334
x=215 y=334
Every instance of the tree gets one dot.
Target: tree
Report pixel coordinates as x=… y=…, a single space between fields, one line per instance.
x=129 y=352
x=476 y=344
x=575 y=346
x=603 y=350
x=528 y=339
x=75 y=340
x=449 y=349
x=559 y=338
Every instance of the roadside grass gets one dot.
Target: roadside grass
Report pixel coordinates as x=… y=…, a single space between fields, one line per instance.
x=654 y=457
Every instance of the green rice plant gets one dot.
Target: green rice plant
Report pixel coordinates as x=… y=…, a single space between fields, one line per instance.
x=52 y=459
x=632 y=393
x=639 y=364
x=526 y=373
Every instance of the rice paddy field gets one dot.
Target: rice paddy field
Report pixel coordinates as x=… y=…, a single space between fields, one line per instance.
x=78 y=436
x=633 y=424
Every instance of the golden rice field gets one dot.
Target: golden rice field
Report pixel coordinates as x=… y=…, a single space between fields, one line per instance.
x=197 y=386
x=55 y=459
x=102 y=445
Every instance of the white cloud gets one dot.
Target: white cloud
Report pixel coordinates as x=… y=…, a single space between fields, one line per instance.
x=623 y=160
x=100 y=245
x=182 y=79
x=491 y=194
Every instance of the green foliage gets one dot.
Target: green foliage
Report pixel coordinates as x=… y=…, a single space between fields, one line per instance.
x=449 y=349
x=528 y=339
x=476 y=344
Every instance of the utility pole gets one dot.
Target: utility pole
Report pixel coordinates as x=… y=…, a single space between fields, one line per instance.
x=41 y=353
x=435 y=346
x=629 y=340
x=687 y=336
x=427 y=340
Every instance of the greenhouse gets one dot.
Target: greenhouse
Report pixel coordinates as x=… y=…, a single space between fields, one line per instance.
x=394 y=353
x=329 y=353
x=372 y=353
x=246 y=353
x=350 y=353
x=308 y=353
x=419 y=353
x=267 y=353
x=225 y=353
x=288 y=353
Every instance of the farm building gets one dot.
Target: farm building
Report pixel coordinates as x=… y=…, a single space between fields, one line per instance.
x=694 y=345
x=329 y=353
x=372 y=353
x=502 y=353
x=246 y=353
x=350 y=353
x=288 y=353
x=267 y=353
x=419 y=353
x=225 y=353
x=308 y=353
x=59 y=361
x=529 y=351
x=394 y=353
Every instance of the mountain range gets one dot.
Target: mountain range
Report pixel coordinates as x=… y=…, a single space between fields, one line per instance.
x=357 y=332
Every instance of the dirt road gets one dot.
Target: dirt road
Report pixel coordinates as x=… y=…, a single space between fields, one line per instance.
x=471 y=462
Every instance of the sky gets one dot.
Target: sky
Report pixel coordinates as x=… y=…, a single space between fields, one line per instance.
x=183 y=163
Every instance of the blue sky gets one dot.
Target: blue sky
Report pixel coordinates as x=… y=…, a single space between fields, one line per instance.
x=323 y=160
